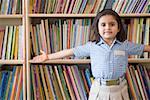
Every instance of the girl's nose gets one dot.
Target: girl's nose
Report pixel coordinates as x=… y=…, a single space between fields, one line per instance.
x=107 y=26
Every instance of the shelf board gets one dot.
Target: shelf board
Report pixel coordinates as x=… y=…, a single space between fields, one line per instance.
x=62 y=15
x=12 y=62
x=64 y=61
x=83 y=61
x=85 y=15
x=11 y=20
x=11 y=16
x=135 y=15
x=141 y=60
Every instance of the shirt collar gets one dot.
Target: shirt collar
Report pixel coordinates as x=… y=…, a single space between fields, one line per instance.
x=103 y=42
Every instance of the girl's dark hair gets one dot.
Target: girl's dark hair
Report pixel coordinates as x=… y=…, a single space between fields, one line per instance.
x=94 y=34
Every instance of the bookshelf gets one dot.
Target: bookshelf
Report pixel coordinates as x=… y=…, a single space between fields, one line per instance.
x=12 y=59
x=35 y=18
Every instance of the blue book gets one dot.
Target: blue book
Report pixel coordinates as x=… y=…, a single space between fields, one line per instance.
x=109 y=4
x=3 y=85
x=9 y=11
x=21 y=94
x=87 y=76
x=142 y=6
x=83 y=6
x=11 y=83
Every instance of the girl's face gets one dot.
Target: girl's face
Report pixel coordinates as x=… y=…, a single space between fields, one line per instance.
x=108 y=28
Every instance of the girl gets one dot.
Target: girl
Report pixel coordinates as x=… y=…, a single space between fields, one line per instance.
x=108 y=52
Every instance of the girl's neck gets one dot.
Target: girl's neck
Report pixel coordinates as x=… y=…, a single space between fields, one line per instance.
x=109 y=42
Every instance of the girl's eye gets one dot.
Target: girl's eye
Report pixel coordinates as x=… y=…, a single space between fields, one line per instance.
x=112 y=24
x=103 y=24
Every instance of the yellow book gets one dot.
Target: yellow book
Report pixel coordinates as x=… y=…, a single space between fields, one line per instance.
x=13 y=43
x=13 y=92
x=42 y=67
x=20 y=84
x=16 y=43
x=47 y=36
x=48 y=82
x=69 y=85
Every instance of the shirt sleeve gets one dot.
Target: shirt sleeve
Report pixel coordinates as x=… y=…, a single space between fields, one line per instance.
x=82 y=51
x=133 y=48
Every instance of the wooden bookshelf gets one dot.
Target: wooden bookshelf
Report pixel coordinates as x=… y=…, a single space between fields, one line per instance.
x=16 y=18
x=33 y=17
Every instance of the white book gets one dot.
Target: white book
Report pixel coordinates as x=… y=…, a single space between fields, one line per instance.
x=5 y=42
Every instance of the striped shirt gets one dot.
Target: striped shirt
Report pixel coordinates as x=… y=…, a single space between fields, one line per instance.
x=108 y=62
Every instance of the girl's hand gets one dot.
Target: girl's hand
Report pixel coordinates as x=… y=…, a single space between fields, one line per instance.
x=41 y=58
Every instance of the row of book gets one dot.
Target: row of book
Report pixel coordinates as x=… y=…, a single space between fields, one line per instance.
x=131 y=6
x=66 y=6
x=63 y=34
x=138 y=77
x=59 y=35
x=10 y=6
x=64 y=82
x=71 y=82
x=88 y=6
x=11 y=83
x=138 y=30
x=11 y=42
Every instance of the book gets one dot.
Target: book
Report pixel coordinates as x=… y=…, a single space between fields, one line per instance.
x=14 y=87
x=21 y=43
x=39 y=89
x=58 y=94
x=73 y=82
x=33 y=81
x=2 y=30
x=139 y=84
x=145 y=81
x=85 y=82
x=65 y=88
x=136 y=87
x=5 y=43
x=71 y=6
x=13 y=43
x=142 y=82
x=4 y=84
x=43 y=82
x=78 y=82
x=83 y=5
x=11 y=83
x=68 y=82
x=87 y=76
x=20 y=84
x=10 y=38
x=67 y=6
x=130 y=83
x=60 y=83
x=147 y=77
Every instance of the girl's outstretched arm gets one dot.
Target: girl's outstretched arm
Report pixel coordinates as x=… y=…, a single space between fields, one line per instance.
x=57 y=55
